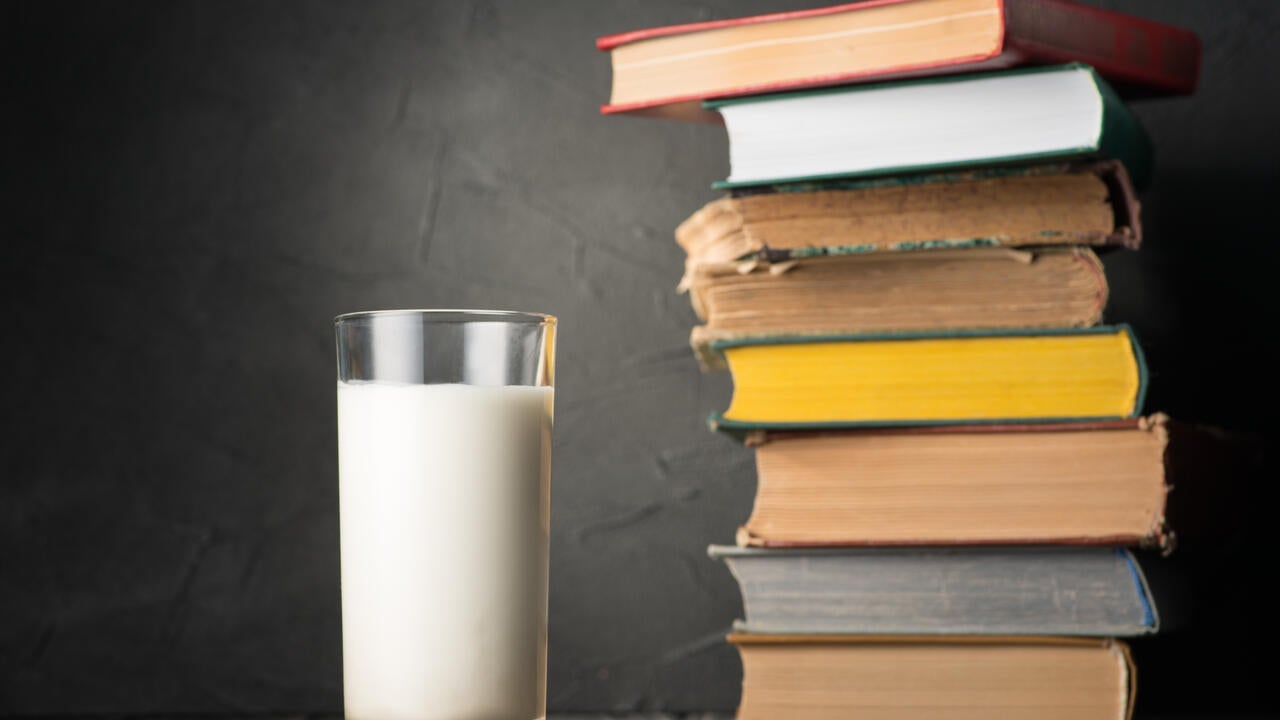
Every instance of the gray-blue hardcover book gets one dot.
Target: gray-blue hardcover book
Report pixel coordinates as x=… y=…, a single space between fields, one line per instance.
x=1097 y=591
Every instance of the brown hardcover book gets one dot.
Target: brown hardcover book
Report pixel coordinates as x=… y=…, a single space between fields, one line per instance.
x=879 y=293
x=1119 y=482
x=1092 y=203
x=958 y=677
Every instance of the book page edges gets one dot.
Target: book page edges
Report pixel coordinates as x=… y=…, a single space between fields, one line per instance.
x=744 y=537
x=693 y=107
x=609 y=42
x=720 y=222
x=1118 y=649
x=1160 y=536
x=1136 y=364
x=1124 y=657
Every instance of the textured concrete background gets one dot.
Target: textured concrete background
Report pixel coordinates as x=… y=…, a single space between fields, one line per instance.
x=194 y=189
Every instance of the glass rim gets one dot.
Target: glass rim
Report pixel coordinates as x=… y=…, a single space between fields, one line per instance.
x=451 y=315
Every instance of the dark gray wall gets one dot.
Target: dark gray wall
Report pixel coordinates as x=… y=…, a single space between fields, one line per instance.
x=193 y=189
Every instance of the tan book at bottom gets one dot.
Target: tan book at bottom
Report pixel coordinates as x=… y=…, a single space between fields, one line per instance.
x=826 y=677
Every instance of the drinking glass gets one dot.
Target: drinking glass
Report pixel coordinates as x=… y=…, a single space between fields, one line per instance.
x=444 y=472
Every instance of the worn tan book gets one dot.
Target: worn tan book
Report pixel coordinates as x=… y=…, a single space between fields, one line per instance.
x=958 y=677
x=878 y=293
x=1118 y=482
x=1091 y=203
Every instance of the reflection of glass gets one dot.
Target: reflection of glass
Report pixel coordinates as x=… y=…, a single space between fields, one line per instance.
x=444 y=463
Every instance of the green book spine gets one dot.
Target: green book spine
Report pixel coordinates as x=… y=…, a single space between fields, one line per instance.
x=1123 y=135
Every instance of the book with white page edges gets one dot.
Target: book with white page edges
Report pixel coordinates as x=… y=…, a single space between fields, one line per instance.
x=924 y=125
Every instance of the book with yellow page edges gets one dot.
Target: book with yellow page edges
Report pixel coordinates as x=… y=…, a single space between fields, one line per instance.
x=784 y=382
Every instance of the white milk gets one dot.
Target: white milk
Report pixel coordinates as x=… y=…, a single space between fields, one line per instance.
x=444 y=498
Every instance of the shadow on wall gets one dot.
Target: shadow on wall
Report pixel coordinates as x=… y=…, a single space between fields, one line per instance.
x=1198 y=295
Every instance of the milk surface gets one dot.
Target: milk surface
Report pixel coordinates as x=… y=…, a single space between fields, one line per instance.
x=444 y=502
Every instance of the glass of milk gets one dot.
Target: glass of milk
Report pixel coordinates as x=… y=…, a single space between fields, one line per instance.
x=444 y=469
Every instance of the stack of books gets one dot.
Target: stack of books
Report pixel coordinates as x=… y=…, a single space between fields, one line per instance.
x=956 y=472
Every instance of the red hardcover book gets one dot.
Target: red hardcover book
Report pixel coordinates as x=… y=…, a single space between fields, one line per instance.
x=668 y=71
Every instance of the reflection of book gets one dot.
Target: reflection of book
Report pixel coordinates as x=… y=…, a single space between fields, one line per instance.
x=1042 y=590
x=1106 y=482
x=1010 y=117
x=789 y=382
x=935 y=290
x=1058 y=204
x=965 y=677
x=664 y=71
